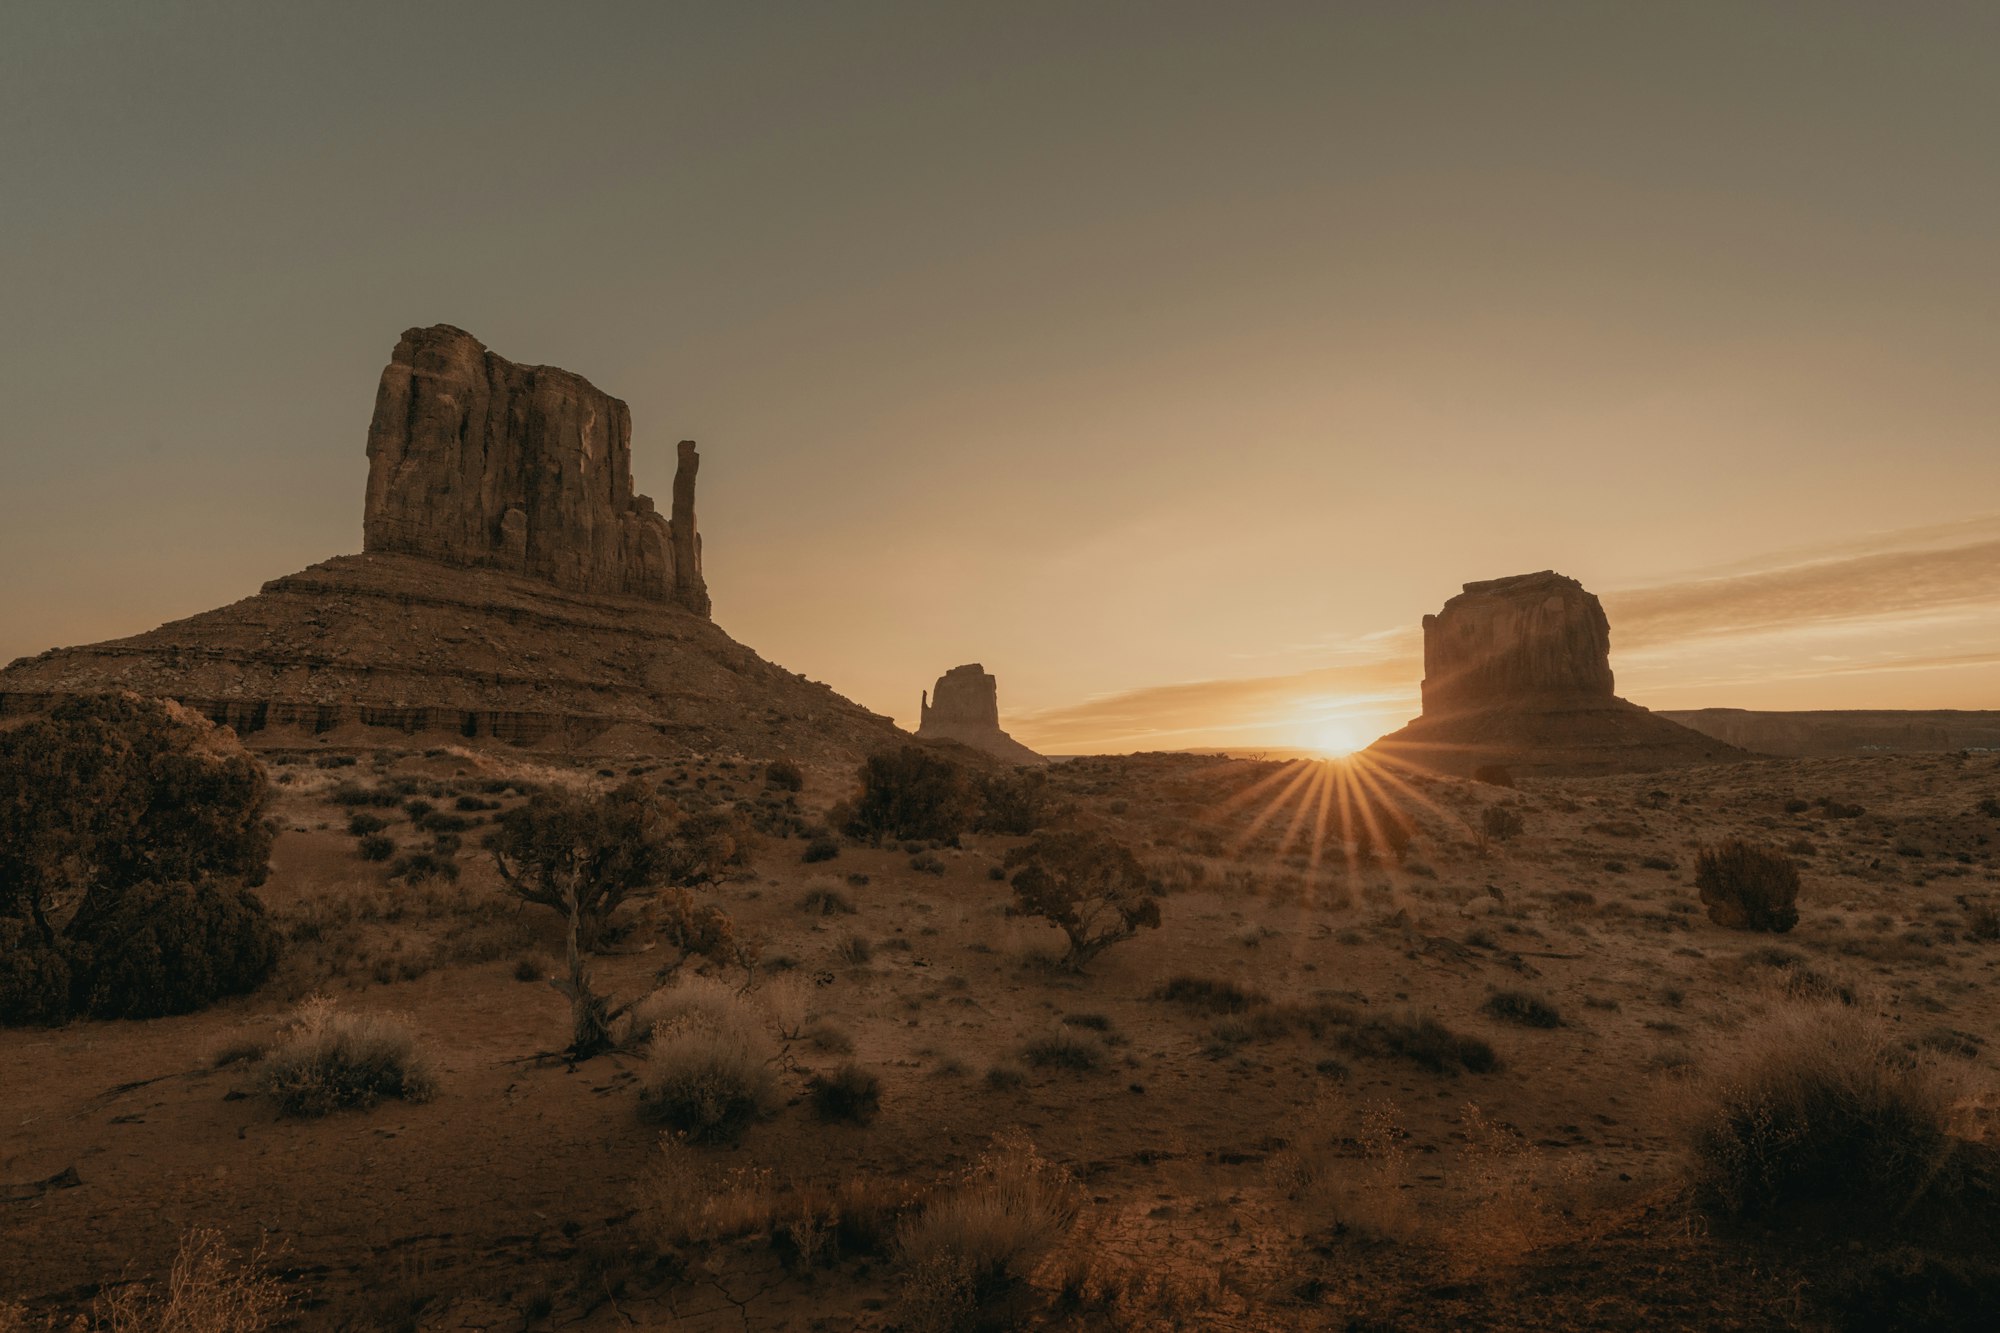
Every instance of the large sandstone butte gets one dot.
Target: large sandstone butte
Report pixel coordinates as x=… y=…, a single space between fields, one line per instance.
x=474 y=460
x=513 y=589
x=1517 y=675
x=964 y=706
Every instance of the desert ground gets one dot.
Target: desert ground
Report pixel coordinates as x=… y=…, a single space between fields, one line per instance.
x=1283 y=1145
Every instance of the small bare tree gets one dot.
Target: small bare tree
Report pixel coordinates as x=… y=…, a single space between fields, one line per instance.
x=1089 y=886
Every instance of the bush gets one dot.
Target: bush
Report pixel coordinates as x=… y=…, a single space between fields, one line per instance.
x=34 y=976
x=172 y=949
x=1820 y=1107
x=1065 y=1049
x=1010 y=1208
x=1500 y=823
x=823 y=847
x=784 y=775
x=911 y=792
x=1747 y=887
x=330 y=1060
x=1210 y=995
x=708 y=1075
x=851 y=1093
x=379 y=847
x=1015 y=802
x=827 y=902
x=361 y=823
x=210 y=1289
x=1517 y=1006
x=424 y=868
x=927 y=863
x=1422 y=1040
x=1092 y=888
x=583 y=855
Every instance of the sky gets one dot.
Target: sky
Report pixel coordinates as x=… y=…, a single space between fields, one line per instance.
x=1170 y=360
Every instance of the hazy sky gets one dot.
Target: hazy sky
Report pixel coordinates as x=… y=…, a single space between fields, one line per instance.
x=1170 y=360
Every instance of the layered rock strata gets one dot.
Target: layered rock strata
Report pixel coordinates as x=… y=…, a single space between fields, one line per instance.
x=1517 y=675
x=964 y=706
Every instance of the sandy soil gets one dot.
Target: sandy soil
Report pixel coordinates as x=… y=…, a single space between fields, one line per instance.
x=1544 y=1194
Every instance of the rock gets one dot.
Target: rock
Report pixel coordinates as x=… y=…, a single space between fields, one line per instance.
x=1525 y=637
x=1517 y=674
x=476 y=461
x=964 y=706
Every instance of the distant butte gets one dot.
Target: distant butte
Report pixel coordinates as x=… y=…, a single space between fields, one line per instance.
x=1517 y=675
x=964 y=706
x=513 y=587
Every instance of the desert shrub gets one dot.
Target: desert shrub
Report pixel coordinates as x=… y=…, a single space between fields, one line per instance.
x=985 y=1233
x=1065 y=1049
x=361 y=823
x=1819 y=1107
x=471 y=803
x=1005 y=1077
x=34 y=975
x=417 y=808
x=1087 y=885
x=927 y=863
x=827 y=902
x=1982 y=921
x=699 y=930
x=209 y=1289
x=714 y=1001
x=109 y=794
x=1518 y=1006
x=440 y=822
x=784 y=775
x=1422 y=1040
x=822 y=847
x=911 y=792
x=854 y=950
x=1990 y=807
x=376 y=847
x=582 y=855
x=330 y=1060
x=1747 y=887
x=171 y=949
x=708 y=1074
x=1210 y=995
x=1015 y=802
x=428 y=867
x=1501 y=823
x=849 y=1093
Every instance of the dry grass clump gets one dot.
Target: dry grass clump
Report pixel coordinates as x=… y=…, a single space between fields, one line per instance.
x=209 y=1289
x=1210 y=995
x=1066 y=1048
x=708 y=1070
x=984 y=1234
x=1747 y=887
x=1350 y=1164
x=680 y=1201
x=850 y=1093
x=1422 y=1040
x=328 y=1060
x=1819 y=1107
x=688 y=993
x=1518 y=1006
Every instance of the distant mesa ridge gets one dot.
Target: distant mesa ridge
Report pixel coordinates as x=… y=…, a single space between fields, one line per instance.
x=474 y=460
x=964 y=706
x=513 y=587
x=1517 y=675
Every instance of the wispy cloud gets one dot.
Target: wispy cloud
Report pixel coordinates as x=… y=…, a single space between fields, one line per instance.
x=1896 y=588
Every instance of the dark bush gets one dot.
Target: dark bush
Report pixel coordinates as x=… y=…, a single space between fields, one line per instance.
x=34 y=976
x=784 y=775
x=1090 y=887
x=850 y=1093
x=424 y=868
x=1422 y=1040
x=912 y=792
x=353 y=794
x=827 y=902
x=1210 y=995
x=823 y=847
x=1500 y=823
x=471 y=803
x=1015 y=802
x=172 y=949
x=376 y=847
x=1518 y=1006
x=361 y=824
x=1747 y=887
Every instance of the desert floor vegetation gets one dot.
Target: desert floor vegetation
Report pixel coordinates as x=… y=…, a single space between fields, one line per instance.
x=1439 y=1091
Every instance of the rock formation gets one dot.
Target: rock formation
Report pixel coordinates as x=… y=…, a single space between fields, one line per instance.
x=964 y=706
x=1833 y=732
x=474 y=460
x=513 y=589
x=1517 y=675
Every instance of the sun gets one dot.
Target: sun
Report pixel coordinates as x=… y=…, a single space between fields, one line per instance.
x=1336 y=737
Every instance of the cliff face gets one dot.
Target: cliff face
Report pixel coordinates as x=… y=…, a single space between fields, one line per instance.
x=1525 y=637
x=1517 y=675
x=964 y=706
x=476 y=461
